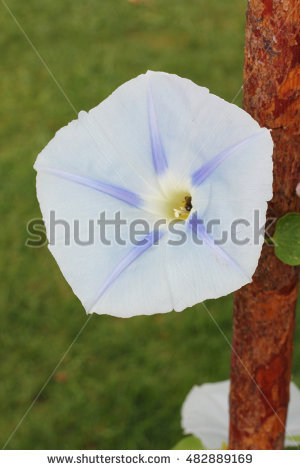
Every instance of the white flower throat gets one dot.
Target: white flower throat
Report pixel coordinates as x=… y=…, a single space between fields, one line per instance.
x=173 y=201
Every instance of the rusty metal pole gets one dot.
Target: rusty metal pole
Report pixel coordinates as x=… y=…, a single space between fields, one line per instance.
x=264 y=311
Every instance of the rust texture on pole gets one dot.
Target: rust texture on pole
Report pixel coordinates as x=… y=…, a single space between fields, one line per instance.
x=264 y=311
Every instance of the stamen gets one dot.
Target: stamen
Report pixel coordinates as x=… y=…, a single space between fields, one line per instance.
x=183 y=211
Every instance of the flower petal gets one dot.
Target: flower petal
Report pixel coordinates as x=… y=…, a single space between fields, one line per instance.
x=205 y=413
x=142 y=289
x=177 y=104
x=243 y=175
x=158 y=153
x=197 y=272
x=128 y=259
x=238 y=225
x=229 y=146
x=110 y=143
x=219 y=128
x=293 y=417
x=208 y=168
x=197 y=130
x=87 y=262
x=114 y=191
x=198 y=227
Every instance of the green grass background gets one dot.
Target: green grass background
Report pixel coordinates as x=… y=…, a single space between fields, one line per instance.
x=122 y=384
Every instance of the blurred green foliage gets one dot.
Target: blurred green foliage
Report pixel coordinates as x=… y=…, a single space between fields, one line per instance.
x=189 y=443
x=122 y=384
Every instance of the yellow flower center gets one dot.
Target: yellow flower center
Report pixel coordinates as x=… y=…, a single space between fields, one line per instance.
x=178 y=205
x=174 y=200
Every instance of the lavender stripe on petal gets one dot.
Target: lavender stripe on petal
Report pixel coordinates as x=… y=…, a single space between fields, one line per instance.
x=158 y=153
x=115 y=191
x=205 y=171
x=199 y=228
x=128 y=259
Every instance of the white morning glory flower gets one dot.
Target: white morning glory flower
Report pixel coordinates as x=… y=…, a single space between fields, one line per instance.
x=205 y=414
x=159 y=147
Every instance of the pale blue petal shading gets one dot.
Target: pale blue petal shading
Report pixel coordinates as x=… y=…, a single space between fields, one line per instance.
x=205 y=171
x=198 y=227
x=160 y=162
x=134 y=253
x=115 y=191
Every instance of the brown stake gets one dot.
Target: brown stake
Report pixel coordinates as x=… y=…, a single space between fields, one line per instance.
x=264 y=311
